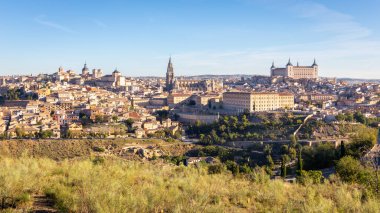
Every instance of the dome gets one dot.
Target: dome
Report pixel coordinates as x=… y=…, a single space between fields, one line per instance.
x=85 y=68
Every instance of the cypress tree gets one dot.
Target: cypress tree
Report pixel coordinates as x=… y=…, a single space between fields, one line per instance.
x=342 y=149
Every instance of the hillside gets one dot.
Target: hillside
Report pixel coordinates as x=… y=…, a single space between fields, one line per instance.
x=115 y=185
x=82 y=148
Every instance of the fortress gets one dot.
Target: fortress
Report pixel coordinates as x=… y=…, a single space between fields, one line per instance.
x=296 y=72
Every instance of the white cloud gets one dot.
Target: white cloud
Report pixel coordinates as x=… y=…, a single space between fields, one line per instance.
x=326 y=20
x=41 y=19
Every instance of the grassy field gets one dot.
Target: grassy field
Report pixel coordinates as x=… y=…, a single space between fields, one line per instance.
x=116 y=185
x=79 y=148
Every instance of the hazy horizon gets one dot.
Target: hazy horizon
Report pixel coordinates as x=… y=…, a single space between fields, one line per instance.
x=203 y=37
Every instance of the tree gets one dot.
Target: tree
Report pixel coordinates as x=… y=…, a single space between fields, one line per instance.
x=244 y=121
x=359 y=117
x=319 y=157
x=299 y=160
x=215 y=137
x=234 y=122
x=115 y=118
x=342 y=149
x=267 y=149
x=349 y=117
x=340 y=117
x=361 y=143
x=292 y=153
x=284 y=160
x=350 y=170
x=293 y=141
x=270 y=162
x=129 y=122
x=284 y=149
x=178 y=134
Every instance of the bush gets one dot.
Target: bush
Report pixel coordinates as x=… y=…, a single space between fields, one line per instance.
x=319 y=157
x=309 y=177
x=362 y=142
x=350 y=170
x=98 y=149
x=215 y=169
x=98 y=160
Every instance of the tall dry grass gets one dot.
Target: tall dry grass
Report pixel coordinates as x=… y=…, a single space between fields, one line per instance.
x=126 y=186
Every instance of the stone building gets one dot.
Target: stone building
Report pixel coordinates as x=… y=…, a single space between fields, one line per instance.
x=111 y=81
x=296 y=72
x=257 y=102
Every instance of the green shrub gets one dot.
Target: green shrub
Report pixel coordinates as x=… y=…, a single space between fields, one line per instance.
x=215 y=169
x=98 y=149
x=309 y=177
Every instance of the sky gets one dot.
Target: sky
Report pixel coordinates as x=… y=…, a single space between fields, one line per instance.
x=202 y=36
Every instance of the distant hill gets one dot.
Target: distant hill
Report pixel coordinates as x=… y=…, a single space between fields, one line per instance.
x=358 y=80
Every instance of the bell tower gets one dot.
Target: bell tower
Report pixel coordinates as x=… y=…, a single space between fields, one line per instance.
x=169 y=76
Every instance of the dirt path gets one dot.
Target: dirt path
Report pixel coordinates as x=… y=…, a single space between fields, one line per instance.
x=43 y=204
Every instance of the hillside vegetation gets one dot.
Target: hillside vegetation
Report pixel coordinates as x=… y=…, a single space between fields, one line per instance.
x=81 y=148
x=115 y=185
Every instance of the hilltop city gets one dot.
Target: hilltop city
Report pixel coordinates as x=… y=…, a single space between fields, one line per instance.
x=92 y=104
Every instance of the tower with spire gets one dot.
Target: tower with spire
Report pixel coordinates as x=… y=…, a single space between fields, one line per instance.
x=169 y=76
x=272 y=68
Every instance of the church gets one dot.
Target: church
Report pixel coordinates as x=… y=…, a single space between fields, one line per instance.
x=295 y=72
x=189 y=85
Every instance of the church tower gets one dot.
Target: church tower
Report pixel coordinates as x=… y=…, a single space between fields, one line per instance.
x=85 y=70
x=169 y=76
x=315 y=67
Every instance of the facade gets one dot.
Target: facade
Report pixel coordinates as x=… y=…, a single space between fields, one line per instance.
x=174 y=99
x=114 y=80
x=296 y=72
x=204 y=100
x=197 y=85
x=257 y=102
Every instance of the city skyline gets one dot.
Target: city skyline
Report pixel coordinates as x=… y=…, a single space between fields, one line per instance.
x=203 y=37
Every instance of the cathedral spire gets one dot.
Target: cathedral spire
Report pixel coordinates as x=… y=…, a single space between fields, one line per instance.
x=170 y=62
x=170 y=76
